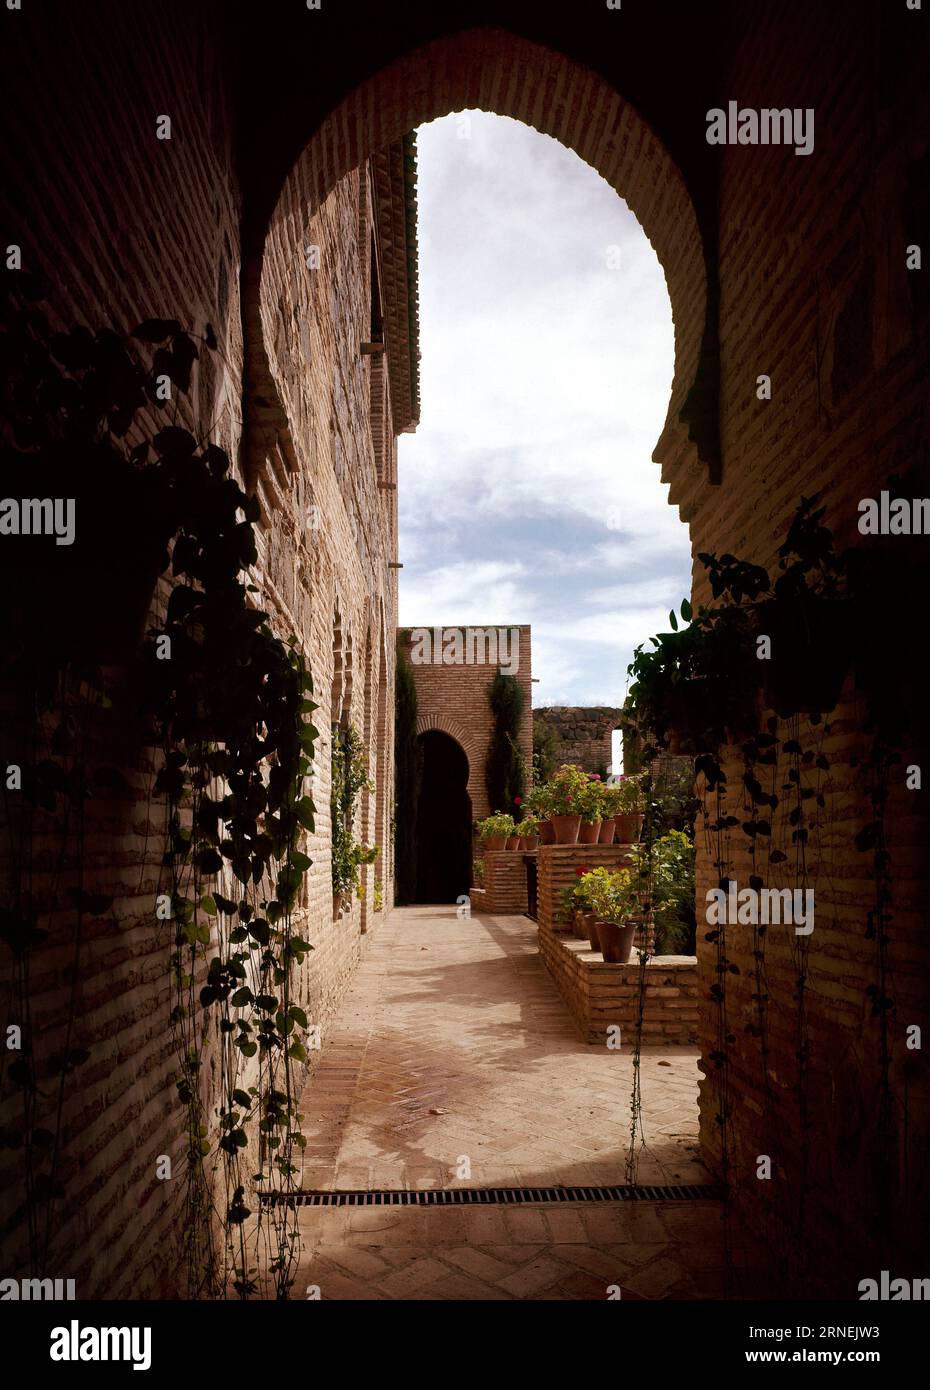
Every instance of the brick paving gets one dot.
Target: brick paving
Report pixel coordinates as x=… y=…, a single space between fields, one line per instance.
x=452 y=1042
x=650 y=1250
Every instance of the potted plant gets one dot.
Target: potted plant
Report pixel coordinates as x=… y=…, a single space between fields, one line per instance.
x=529 y=833
x=627 y=802
x=709 y=683
x=612 y=899
x=495 y=830
x=591 y=805
x=566 y=791
x=589 y=890
x=538 y=804
x=608 y=815
x=670 y=885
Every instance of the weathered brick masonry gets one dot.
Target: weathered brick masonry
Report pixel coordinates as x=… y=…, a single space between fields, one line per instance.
x=321 y=453
x=454 y=699
x=777 y=264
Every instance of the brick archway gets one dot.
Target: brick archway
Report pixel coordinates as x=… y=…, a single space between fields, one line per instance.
x=445 y=725
x=468 y=744
x=495 y=70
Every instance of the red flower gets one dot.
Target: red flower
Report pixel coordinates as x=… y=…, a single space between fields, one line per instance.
x=518 y=801
x=580 y=872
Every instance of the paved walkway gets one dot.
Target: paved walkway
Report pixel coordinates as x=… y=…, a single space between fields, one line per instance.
x=454 y=1062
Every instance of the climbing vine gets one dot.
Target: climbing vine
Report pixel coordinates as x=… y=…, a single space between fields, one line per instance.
x=226 y=702
x=349 y=779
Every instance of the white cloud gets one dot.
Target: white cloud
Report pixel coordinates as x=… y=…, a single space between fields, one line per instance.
x=545 y=384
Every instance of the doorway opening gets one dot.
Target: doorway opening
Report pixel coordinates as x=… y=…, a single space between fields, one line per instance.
x=443 y=821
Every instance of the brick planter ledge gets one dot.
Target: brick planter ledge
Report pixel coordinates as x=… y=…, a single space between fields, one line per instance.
x=599 y=994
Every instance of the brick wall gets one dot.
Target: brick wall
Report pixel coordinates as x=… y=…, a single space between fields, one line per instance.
x=454 y=698
x=808 y=258
x=602 y=996
x=804 y=243
x=131 y=227
x=503 y=884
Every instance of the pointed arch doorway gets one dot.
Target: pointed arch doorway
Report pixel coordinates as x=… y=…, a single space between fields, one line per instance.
x=443 y=820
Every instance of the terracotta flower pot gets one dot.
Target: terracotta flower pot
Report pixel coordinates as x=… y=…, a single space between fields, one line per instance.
x=606 y=837
x=590 y=931
x=616 y=941
x=546 y=833
x=566 y=829
x=588 y=832
x=496 y=842
x=521 y=843
x=511 y=842
x=629 y=827
x=530 y=843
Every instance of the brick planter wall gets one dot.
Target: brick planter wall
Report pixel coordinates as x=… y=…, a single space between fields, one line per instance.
x=557 y=864
x=504 y=886
x=600 y=995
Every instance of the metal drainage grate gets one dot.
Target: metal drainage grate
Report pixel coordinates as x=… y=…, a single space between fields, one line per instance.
x=492 y=1196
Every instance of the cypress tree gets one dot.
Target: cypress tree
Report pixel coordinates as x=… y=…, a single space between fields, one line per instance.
x=504 y=773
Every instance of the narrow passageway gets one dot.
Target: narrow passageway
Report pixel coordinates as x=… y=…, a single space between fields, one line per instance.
x=453 y=1044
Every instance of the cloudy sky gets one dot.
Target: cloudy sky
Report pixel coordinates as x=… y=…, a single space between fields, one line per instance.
x=528 y=494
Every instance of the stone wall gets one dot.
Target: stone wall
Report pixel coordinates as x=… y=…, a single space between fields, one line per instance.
x=583 y=734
